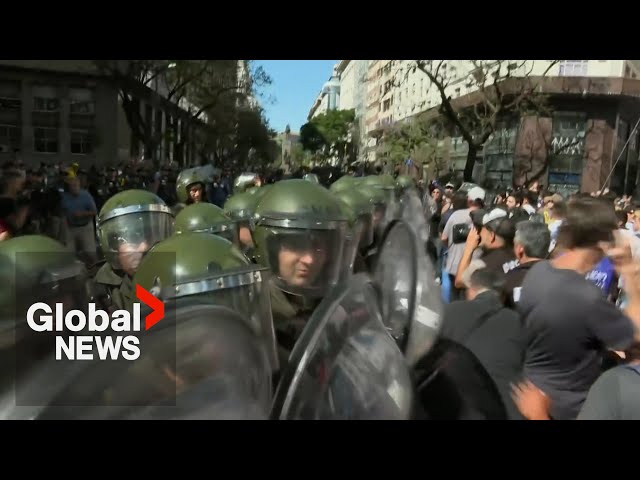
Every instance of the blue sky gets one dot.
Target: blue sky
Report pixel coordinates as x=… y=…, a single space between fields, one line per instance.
x=296 y=83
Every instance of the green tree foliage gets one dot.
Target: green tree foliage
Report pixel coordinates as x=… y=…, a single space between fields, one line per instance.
x=212 y=94
x=329 y=134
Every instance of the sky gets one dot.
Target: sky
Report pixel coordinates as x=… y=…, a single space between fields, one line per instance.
x=295 y=86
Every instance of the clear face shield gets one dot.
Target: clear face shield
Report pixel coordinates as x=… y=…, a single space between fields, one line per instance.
x=126 y=236
x=64 y=282
x=352 y=244
x=207 y=364
x=244 y=291
x=246 y=223
x=304 y=261
x=345 y=366
x=227 y=230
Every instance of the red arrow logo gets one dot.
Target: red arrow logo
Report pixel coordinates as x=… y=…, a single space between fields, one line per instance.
x=152 y=301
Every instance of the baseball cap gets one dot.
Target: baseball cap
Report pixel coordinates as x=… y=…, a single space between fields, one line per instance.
x=495 y=214
x=555 y=198
x=476 y=193
x=449 y=185
x=497 y=221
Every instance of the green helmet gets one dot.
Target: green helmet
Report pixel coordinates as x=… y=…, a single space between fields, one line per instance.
x=363 y=209
x=36 y=268
x=300 y=235
x=260 y=191
x=380 y=199
x=241 y=206
x=129 y=224
x=405 y=182
x=311 y=177
x=343 y=183
x=245 y=181
x=206 y=218
x=386 y=182
x=185 y=181
x=207 y=269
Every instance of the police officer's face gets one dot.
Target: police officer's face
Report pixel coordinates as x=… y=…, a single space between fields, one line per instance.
x=195 y=193
x=130 y=255
x=245 y=237
x=301 y=266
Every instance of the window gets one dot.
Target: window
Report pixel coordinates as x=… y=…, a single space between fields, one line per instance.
x=10 y=103
x=9 y=138
x=43 y=104
x=573 y=68
x=45 y=140
x=82 y=101
x=81 y=142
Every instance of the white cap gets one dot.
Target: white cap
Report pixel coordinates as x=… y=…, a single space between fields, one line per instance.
x=476 y=193
x=494 y=214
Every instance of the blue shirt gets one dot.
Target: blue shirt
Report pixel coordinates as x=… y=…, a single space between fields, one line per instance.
x=602 y=275
x=80 y=203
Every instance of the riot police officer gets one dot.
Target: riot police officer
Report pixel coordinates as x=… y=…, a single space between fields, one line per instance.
x=379 y=200
x=35 y=269
x=129 y=224
x=300 y=234
x=206 y=218
x=190 y=188
x=362 y=225
x=241 y=207
x=209 y=286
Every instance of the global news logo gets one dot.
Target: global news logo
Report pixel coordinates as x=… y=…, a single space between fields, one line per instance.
x=125 y=344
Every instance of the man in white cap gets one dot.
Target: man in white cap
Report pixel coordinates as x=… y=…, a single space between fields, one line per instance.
x=495 y=239
x=455 y=234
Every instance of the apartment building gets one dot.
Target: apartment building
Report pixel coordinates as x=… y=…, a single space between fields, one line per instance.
x=595 y=105
x=63 y=111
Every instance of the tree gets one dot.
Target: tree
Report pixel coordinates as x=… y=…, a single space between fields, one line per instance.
x=415 y=139
x=329 y=134
x=208 y=90
x=502 y=88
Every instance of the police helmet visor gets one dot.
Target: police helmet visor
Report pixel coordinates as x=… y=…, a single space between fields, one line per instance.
x=244 y=291
x=126 y=238
x=305 y=261
x=210 y=366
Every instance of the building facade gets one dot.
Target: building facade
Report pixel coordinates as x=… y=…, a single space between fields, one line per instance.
x=66 y=111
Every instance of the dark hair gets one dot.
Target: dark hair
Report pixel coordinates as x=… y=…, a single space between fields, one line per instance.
x=621 y=215
x=588 y=221
x=531 y=197
x=459 y=201
x=485 y=278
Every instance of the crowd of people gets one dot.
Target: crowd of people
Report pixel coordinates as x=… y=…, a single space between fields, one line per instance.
x=538 y=293
x=544 y=288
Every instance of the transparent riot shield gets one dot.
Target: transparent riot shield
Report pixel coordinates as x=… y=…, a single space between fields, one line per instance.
x=411 y=303
x=345 y=366
x=199 y=362
x=414 y=213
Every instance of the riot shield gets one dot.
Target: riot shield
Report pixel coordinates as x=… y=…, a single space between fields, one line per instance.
x=200 y=362
x=410 y=298
x=413 y=212
x=345 y=366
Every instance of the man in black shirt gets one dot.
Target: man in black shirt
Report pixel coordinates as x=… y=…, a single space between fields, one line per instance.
x=495 y=240
x=531 y=244
x=568 y=320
